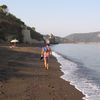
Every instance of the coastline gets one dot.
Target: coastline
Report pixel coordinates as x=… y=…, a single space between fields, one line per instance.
x=24 y=78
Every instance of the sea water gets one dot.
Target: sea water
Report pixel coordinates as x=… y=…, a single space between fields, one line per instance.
x=80 y=64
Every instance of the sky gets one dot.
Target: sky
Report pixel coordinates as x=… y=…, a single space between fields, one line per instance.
x=59 y=17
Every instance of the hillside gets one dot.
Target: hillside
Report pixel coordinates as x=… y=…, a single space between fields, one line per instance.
x=84 y=37
x=11 y=27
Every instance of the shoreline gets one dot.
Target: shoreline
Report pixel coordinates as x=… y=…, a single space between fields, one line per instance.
x=24 y=78
x=83 y=98
x=63 y=72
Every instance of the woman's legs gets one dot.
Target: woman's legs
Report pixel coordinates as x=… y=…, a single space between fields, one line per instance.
x=46 y=62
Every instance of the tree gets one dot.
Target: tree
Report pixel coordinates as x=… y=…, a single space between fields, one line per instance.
x=33 y=28
x=4 y=6
x=4 y=9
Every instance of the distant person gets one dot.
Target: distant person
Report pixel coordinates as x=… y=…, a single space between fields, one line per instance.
x=45 y=54
x=13 y=43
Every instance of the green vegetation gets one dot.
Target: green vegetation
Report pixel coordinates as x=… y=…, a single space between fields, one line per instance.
x=36 y=35
x=11 y=26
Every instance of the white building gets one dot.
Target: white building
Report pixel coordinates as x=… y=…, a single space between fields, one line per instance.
x=27 y=37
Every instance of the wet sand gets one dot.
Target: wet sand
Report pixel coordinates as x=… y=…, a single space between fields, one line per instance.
x=23 y=77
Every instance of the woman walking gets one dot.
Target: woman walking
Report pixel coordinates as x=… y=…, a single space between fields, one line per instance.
x=45 y=53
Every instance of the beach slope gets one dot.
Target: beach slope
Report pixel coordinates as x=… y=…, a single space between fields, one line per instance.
x=23 y=77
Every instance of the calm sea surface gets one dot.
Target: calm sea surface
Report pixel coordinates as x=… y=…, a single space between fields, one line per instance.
x=80 y=64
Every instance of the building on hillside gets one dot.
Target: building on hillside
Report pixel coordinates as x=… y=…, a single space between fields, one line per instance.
x=27 y=36
x=98 y=35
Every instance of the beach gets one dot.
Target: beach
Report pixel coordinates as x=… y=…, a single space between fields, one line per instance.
x=23 y=77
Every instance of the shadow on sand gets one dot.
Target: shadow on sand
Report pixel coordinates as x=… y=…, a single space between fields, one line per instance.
x=16 y=63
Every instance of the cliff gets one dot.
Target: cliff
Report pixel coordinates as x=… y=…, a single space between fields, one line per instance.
x=11 y=27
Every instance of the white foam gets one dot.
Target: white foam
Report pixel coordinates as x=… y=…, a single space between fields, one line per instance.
x=87 y=86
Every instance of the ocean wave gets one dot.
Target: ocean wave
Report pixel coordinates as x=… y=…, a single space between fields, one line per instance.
x=82 y=78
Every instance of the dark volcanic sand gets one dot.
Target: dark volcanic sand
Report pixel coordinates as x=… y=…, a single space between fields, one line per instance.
x=22 y=77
